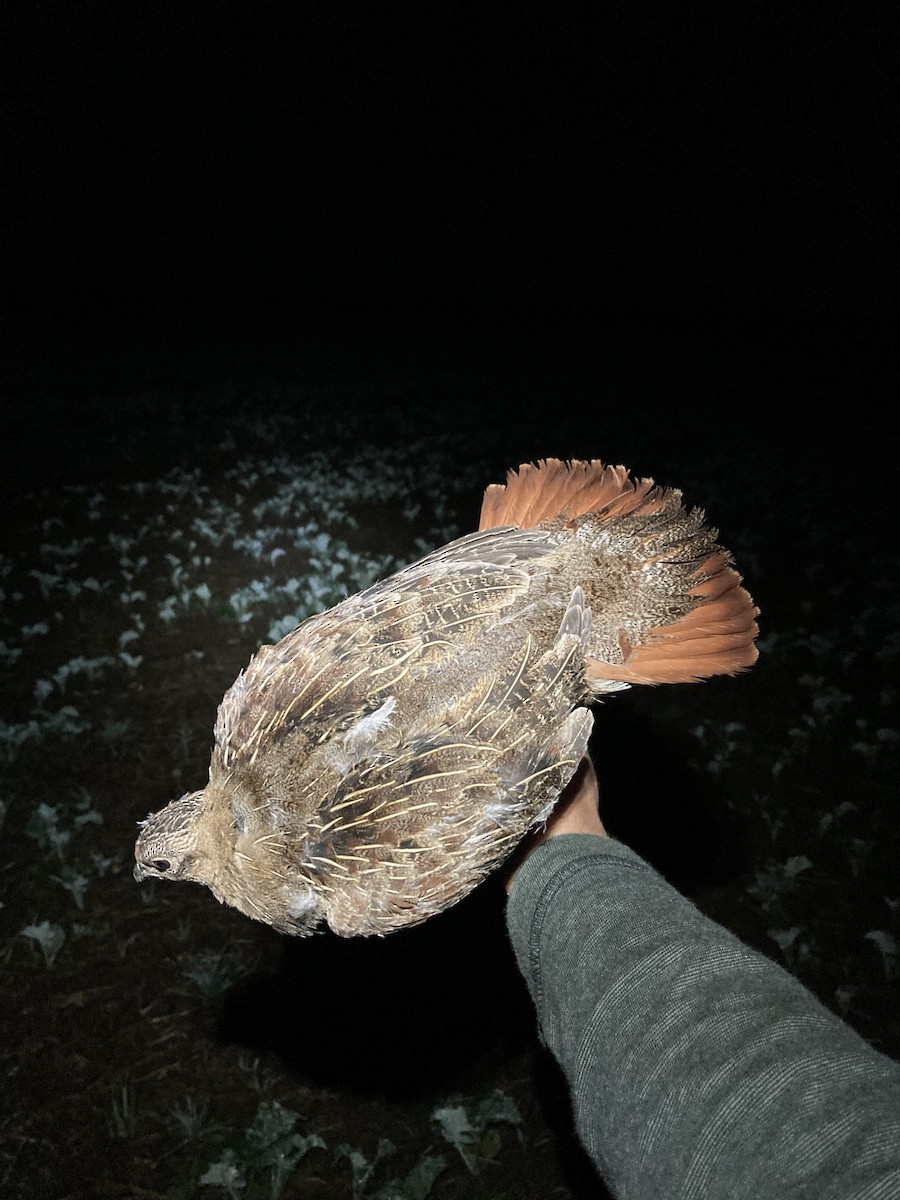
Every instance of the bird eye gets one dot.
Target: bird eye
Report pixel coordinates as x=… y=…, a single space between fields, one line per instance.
x=160 y=864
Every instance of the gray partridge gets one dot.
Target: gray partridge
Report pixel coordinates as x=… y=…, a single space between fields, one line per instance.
x=372 y=767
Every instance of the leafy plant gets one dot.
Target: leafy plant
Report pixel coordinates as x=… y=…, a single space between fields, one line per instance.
x=362 y=1168
x=75 y=883
x=49 y=937
x=44 y=827
x=471 y=1130
x=794 y=945
x=269 y=1150
x=215 y=971
x=776 y=880
x=417 y=1184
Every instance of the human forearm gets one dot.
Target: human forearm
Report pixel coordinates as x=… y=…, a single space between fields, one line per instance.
x=697 y=1067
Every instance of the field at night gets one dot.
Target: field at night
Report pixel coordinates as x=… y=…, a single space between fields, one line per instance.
x=165 y=1046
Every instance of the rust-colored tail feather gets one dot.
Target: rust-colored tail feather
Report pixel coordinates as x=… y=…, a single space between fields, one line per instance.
x=713 y=636
x=550 y=488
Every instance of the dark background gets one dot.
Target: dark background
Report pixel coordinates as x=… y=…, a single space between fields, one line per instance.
x=350 y=156
x=701 y=194
x=662 y=233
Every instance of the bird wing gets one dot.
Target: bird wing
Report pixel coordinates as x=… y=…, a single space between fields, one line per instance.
x=340 y=665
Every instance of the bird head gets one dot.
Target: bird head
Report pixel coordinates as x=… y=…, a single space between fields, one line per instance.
x=211 y=837
x=169 y=845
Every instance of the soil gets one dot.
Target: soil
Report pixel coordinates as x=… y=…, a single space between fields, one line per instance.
x=143 y=1054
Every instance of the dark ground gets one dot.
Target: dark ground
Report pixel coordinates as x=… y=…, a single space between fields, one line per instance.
x=144 y=1052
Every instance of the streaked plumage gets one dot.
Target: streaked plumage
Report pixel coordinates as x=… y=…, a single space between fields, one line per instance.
x=372 y=767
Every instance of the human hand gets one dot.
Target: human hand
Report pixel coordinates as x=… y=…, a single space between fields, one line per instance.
x=576 y=811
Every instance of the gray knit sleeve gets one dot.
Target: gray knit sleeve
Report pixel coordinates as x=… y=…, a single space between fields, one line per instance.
x=699 y=1070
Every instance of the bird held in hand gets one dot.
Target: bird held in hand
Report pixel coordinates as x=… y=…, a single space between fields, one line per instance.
x=372 y=767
